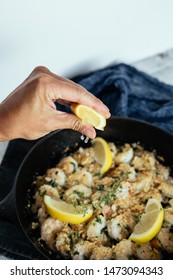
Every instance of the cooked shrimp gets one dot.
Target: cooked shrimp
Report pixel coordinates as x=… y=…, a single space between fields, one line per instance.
x=38 y=201
x=123 y=195
x=49 y=190
x=126 y=155
x=144 y=181
x=123 y=168
x=63 y=240
x=81 y=176
x=168 y=217
x=85 y=156
x=104 y=182
x=166 y=239
x=146 y=161
x=82 y=250
x=42 y=214
x=49 y=229
x=95 y=227
x=113 y=149
x=163 y=171
x=68 y=165
x=166 y=188
x=77 y=192
x=123 y=250
x=57 y=175
x=146 y=252
x=118 y=227
x=101 y=253
x=171 y=202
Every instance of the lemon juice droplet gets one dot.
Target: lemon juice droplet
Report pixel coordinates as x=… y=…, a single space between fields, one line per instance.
x=86 y=140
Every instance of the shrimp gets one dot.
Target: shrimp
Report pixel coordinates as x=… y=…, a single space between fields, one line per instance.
x=82 y=250
x=166 y=188
x=168 y=217
x=57 y=175
x=118 y=227
x=101 y=253
x=49 y=190
x=171 y=202
x=126 y=155
x=123 y=250
x=123 y=168
x=105 y=182
x=113 y=149
x=82 y=176
x=63 y=240
x=42 y=214
x=163 y=171
x=38 y=201
x=146 y=252
x=49 y=229
x=95 y=227
x=77 y=192
x=166 y=239
x=68 y=165
x=146 y=161
x=123 y=195
x=143 y=182
x=85 y=156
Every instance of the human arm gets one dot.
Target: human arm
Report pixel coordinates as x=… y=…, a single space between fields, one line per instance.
x=29 y=112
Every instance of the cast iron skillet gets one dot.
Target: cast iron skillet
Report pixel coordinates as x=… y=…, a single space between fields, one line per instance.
x=48 y=151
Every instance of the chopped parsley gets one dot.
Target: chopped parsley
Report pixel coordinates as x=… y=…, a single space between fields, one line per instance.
x=80 y=194
x=99 y=220
x=100 y=188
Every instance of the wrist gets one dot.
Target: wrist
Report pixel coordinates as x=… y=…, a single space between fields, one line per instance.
x=5 y=125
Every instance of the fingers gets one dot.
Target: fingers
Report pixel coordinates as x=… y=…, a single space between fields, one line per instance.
x=65 y=89
x=78 y=94
x=63 y=120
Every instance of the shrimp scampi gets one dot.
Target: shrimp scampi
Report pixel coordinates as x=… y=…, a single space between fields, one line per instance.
x=117 y=199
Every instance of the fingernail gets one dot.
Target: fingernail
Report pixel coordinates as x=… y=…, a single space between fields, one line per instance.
x=108 y=114
x=106 y=110
x=89 y=131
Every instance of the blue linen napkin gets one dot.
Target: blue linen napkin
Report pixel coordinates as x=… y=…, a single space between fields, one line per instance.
x=127 y=92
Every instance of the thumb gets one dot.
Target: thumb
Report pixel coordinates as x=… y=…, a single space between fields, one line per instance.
x=66 y=120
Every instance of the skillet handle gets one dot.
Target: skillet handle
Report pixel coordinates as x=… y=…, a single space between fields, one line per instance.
x=8 y=210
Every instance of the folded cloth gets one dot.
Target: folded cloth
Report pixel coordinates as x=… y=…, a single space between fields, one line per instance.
x=127 y=92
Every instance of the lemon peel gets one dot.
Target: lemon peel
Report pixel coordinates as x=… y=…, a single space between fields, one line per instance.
x=150 y=223
x=65 y=212
x=103 y=153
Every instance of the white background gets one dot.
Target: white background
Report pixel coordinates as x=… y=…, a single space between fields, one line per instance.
x=74 y=36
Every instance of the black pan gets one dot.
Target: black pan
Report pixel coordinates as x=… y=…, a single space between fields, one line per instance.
x=50 y=149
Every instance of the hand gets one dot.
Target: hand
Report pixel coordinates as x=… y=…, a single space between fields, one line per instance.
x=29 y=111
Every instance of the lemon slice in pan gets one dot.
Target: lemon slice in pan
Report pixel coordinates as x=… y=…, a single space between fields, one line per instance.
x=150 y=223
x=102 y=153
x=65 y=212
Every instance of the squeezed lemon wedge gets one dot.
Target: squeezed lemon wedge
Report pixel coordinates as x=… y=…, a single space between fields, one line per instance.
x=65 y=212
x=150 y=223
x=103 y=153
x=89 y=116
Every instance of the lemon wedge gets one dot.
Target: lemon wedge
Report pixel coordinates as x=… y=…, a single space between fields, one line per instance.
x=65 y=212
x=89 y=116
x=103 y=153
x=150 y=222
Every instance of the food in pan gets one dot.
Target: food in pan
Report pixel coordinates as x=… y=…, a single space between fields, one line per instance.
x=130 y=203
